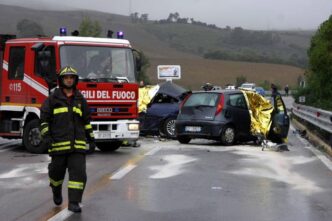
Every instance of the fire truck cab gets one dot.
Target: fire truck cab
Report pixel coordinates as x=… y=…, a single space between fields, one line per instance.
x=107 y=79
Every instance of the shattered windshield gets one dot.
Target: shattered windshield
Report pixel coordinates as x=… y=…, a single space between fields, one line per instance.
x=102 y=64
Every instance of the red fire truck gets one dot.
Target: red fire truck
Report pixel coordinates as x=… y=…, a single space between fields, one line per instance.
x=107 y=70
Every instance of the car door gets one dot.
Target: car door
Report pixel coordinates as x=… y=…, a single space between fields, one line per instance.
x=280 y=120
x=237 y=113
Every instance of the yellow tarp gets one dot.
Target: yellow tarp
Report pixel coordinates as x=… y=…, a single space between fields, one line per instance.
x=145 y=95
x=260 y=113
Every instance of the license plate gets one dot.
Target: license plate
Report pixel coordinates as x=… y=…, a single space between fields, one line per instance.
x=103 y=135
x=193 y=129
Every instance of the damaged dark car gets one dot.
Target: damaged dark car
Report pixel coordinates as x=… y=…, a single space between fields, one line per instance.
x=161 y=112
x=231 y=116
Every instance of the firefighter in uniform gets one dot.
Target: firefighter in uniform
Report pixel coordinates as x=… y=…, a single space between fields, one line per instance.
x=65 y=126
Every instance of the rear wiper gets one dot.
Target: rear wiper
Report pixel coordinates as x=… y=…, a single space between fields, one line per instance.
x=203 y=105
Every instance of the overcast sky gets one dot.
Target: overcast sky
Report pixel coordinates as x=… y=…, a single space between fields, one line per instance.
x=249 y=14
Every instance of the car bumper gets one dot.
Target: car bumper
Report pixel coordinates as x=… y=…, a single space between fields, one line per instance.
x=202 y=129
x=117 y=130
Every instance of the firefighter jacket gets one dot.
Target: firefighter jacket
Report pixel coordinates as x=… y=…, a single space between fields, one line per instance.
x=65 y=123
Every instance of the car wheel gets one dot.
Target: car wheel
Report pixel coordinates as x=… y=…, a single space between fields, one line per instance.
x=109 y=146
x=228 y=135
x=184 y=139
x=32 y=139
x=169 y=128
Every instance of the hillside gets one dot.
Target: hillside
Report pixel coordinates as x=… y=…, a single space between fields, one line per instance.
x=235 y=44
x=182 y=44
x=196 y=71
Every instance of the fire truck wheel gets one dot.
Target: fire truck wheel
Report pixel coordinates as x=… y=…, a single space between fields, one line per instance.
x=109 y=146
x=32 y=138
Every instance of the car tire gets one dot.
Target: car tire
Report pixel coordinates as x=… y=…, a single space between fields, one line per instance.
x=184 y=139
x=109 y=146
x=228 y=135
x=169 y=128
x=32 y=139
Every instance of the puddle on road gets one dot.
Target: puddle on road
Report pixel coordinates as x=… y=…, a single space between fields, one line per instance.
x=174 y=166
x=277 y=167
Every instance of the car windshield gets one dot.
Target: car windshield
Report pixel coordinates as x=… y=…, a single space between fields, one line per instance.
x=202 y=99
x=99 y=63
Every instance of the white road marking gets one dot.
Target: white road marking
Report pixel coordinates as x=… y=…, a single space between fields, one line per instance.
x=63 y=215
x=25 y=170
x=326 y=161
x=122 y=172
x=9 y=145
x=174 y=166
x=216 y=188
x=153 y=151
x=7 y=149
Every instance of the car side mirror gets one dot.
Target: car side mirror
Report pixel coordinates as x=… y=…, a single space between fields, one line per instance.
x=138 y=64
x=138 y=61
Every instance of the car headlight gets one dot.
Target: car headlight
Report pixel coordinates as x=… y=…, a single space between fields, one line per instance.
x=133 y=126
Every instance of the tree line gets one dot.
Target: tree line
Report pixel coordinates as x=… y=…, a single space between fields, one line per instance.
x=318 y=89
x=172 y=18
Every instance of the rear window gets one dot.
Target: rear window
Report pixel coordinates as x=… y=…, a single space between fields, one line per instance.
x=237 y=100
x=202 y=99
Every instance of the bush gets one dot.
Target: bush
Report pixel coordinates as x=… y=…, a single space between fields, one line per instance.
x=319 y=90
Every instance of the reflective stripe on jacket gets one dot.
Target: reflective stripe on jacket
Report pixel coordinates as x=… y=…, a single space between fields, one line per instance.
x=66 y=122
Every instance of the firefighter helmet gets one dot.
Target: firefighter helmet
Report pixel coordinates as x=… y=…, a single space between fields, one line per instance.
x=65 y=71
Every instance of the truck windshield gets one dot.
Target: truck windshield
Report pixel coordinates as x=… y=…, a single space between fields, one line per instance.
x=96 y=63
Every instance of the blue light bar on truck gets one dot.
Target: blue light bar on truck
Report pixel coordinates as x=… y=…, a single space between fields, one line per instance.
x=63 y=31
x=120 y=34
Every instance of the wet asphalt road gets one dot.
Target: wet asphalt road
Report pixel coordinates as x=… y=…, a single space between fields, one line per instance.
x=165 y=180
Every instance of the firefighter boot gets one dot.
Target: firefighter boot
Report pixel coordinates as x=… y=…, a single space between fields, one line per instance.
x=57 y=196
x=74 y=207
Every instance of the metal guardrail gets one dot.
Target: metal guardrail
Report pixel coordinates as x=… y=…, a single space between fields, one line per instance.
x=318 y=117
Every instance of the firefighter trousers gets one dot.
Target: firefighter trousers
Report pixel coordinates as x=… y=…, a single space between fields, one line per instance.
x=75 y=163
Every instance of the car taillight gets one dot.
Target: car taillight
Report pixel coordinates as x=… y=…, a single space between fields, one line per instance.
x=184 y=101
x=220 y=105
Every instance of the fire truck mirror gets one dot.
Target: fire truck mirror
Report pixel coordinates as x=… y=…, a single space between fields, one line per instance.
x=44 y=59
x=138 y=60
x=38 y=46
x=138 y=64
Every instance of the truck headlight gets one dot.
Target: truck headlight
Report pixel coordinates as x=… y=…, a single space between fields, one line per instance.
x=133 y=127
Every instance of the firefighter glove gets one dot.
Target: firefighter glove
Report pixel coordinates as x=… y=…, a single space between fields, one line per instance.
x=92 y=147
